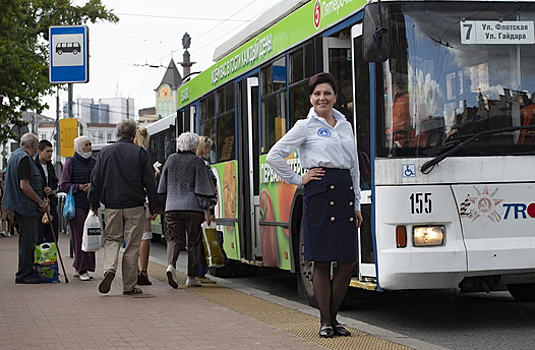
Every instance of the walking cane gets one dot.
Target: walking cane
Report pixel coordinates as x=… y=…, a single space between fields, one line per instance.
x=55 y=240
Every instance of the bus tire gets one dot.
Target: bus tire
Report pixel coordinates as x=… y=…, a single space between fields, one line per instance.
x=225 y=271
x=245 y=270
x=524 y=292
x=60 y=52
x=306 y=270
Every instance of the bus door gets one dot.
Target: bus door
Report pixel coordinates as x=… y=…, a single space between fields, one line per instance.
x=186 y=119
x=362 y=115
x=248 y=168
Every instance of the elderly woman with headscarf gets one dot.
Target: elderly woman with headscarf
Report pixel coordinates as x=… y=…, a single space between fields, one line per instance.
x=76 y=174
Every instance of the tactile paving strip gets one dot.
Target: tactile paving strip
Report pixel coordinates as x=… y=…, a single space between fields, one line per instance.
x=284 y=318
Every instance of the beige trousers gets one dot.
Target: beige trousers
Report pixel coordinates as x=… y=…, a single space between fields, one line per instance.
x=123 y=225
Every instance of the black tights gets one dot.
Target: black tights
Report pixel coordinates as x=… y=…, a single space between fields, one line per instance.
x=330 y=293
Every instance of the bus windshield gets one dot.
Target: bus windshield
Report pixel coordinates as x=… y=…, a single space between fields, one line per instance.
x=438 y=89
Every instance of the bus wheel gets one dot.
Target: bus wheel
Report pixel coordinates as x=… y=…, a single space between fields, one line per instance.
x=522 y=292
x=245 y=270
x=74 y=52
x=306 y=269
x=60 y=52
x=225 y=271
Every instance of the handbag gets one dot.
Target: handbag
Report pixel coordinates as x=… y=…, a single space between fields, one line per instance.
x=68 y=208
x=213 y=253
x=92 y=234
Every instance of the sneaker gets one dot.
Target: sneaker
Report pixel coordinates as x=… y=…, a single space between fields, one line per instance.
x=192 y=282
x=3 y=233
x=171 y=276
x=75 y=273
x=8 y=234
x=143 y=280
x=205 y=280
x=84 y=277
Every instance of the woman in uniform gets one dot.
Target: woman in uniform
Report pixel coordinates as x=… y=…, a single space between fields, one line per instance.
x=326 y=146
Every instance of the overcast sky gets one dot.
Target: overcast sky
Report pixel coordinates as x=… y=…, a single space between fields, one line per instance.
x=150 y=32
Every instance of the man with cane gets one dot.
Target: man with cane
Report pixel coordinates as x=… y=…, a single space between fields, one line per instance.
x=24 y=195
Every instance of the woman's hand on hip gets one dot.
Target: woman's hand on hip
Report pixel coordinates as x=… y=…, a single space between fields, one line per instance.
x=358 y=214
x=312 y=174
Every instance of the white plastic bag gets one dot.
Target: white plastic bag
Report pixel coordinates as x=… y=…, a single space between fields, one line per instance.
x=92 y=235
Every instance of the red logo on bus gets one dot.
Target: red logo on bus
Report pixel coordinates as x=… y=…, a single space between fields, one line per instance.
x=317 y=14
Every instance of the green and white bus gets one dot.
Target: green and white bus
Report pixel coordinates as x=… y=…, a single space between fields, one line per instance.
x=442 y=109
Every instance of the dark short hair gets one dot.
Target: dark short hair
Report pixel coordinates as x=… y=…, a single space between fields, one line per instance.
x=321 y=78
x=44 y=144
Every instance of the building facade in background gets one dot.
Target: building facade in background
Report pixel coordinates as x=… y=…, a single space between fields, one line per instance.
x=106 y=111
x=167 y=92
x=147 y=116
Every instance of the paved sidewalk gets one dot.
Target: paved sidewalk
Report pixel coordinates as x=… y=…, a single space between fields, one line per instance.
x=75 y=315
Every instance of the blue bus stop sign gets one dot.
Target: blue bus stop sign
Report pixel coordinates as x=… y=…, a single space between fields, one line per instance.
x=69 y=54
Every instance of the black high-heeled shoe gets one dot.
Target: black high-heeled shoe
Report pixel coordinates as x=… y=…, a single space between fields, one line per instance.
x=326 y=332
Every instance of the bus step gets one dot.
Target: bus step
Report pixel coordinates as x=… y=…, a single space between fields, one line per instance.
x=363 y=285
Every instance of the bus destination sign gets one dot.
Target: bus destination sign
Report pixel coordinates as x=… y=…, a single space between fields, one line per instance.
x=496 y=32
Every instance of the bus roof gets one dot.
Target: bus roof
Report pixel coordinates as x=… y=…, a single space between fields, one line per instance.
x=266 y=20
x=161 y=125
x=285 y=25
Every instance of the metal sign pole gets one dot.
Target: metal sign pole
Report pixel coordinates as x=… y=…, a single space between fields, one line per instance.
x=70 y=100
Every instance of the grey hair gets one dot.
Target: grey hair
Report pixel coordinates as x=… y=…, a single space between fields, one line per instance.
x=28 y=139
x=188 y=141
x=126 y=128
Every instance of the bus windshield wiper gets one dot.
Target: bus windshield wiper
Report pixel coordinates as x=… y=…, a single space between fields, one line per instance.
x=428 y=166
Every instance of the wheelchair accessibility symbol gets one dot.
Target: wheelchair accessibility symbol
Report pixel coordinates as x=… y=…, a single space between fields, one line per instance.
x=409 y=170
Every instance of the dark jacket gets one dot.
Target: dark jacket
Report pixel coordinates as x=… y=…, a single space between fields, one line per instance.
x=123 y=177
x=14 y=198
x=53 y=180
x=77 y=170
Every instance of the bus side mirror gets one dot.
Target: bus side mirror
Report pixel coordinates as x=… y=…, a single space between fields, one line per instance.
x=376 y=33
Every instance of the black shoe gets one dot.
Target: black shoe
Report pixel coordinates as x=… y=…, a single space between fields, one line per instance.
x=143 y=280
x=326 y=332
x=105 y=285
x=341 y=330
x=27 y=280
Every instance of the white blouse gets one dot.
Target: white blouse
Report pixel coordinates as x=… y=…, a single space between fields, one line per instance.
x=318 y=145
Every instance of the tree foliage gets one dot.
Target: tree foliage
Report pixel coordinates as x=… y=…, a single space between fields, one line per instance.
x=24 y=51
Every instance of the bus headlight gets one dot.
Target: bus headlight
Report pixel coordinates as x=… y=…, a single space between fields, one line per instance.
x=425 y=236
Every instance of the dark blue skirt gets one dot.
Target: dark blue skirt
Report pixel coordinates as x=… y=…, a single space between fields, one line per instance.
x=329 y=222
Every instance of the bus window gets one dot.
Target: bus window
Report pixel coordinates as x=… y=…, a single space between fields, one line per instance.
x=273 y=118
x=301 y=68
x=207 y=119
x=340 y=68
x=454 y=89
x=226 y=146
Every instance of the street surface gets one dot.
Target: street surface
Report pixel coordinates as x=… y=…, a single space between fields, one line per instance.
x=477 y=321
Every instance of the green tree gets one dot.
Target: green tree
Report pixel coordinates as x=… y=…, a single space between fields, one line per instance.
x=24 y=51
